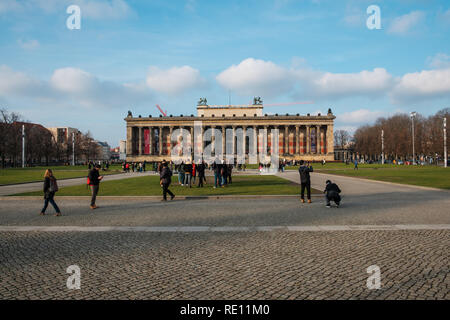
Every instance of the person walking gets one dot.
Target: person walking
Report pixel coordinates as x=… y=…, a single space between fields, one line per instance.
x=305 y=180
x=50 y=188
x=194 y=172
x=356 y=165
x=229 y=172
x=201 y=174
x=332 y=192
x=181 y=173
x=217 y=168
x=94 y=184
x=188 y=175
x=165 y=178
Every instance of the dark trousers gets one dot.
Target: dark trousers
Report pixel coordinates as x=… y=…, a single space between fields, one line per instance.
x=306 y=185
x=94 y=191
x=50 y=199
x=166 y=191
x=200 y=180
x=333 y=196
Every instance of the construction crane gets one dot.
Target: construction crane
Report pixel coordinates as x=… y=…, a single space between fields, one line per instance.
x=164 y=113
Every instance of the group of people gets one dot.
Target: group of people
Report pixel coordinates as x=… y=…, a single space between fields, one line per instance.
x=332 y=191
x=187 y=172
x=51 y=187
x=134 y=166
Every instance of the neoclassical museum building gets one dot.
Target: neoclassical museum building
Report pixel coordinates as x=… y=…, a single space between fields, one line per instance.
x=307 y=137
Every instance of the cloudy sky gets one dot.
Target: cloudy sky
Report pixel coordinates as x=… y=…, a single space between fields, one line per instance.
x=132 y=55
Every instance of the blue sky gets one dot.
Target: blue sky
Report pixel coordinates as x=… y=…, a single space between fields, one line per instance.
x=136 y=54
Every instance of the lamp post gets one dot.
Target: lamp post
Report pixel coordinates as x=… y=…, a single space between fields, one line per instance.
x=73 y=148
x=23 y=146
x=413 y=115
x=445 y=142
x=382 y=146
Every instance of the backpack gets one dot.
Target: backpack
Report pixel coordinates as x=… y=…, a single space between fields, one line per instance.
x=53 y=186
x=88 y=181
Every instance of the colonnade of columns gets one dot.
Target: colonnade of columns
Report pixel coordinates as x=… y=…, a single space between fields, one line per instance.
x=292 y=139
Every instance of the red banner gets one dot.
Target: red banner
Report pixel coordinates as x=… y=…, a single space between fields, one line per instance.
x=146 y=141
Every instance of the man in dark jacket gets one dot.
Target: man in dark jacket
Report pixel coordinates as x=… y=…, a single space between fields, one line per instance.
x=217 y=167
x=94 y=184
x=201 y=173
x=305 y=180
x=165 y=178
x=332 y=193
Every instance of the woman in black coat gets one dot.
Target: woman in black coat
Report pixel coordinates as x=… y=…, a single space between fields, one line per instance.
x=50 y=188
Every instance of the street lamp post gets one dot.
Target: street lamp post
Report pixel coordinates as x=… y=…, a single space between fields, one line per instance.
x=23 y=146
x=445 y=142
x=413 y=115
x=382 y=146
x=73 y=148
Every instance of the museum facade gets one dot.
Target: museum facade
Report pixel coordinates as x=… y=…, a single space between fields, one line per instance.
x=230 y=130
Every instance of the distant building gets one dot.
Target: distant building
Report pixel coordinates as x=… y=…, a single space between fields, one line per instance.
x=63 y=135
x=123 y=150
x=301 y=137
x=105 y=151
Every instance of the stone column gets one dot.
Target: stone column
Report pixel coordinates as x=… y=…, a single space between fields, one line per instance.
x=224 y=151
x=140 y=141
x=213 y=141
x=286 y=139
x=264 y=142
x=297 y=141
x=255 y=140
x=160 y=128
x=272 y=145
x=302 y=139
x=308 y=139
x=234 y=144
x=318 y=146
x=192 y=142
x=244 y=139
x=129 y=145
x=169 y=148
x=329 y=137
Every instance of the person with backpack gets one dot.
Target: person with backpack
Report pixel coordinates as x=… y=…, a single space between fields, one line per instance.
x=94 y=179
x=165 y=178
x=332 y=192
x=305 y=181
x=50 y=188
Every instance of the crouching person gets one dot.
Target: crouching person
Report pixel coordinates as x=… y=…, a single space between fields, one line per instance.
x=165 y=178
x=332 y=192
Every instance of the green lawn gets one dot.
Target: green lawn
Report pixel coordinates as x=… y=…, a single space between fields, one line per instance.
x=19 y=175
x=149 y=186
x=427 y=176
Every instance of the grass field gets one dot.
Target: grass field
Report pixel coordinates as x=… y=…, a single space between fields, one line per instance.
x=149 y=186
x=19 y=175
x=427 y=176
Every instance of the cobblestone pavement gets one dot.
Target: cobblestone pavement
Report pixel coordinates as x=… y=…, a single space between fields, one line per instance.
x=253 y=265
x=250 y=264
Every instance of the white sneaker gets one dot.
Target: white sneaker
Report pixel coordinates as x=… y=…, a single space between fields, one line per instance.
x=328 y=206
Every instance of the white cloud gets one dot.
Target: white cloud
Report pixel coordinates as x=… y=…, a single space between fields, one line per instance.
x=439 y=61
x=28 y=45
x=358 y=116
x=256 y=77
x=350 y=84
x=175 y=80
x=70 y=85
x=404 y=24
x=427 y=84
